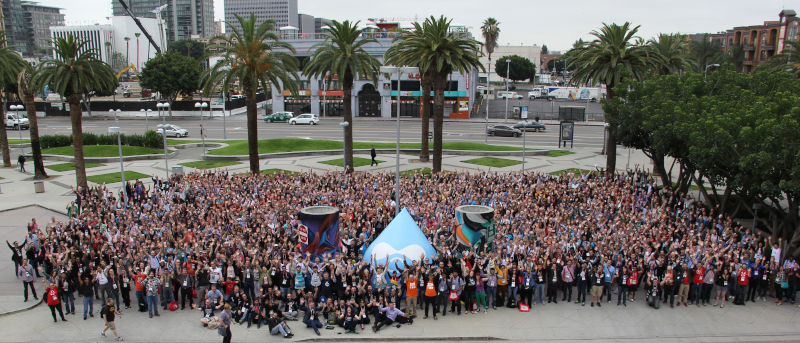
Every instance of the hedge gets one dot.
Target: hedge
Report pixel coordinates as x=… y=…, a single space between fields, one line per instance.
x=150 y=139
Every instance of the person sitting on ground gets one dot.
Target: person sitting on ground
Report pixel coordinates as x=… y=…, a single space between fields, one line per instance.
x=208 y=311
x=311 y=317
x=389 y=315
x=278 y=325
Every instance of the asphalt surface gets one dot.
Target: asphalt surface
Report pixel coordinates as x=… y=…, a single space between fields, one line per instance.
x=365 y=129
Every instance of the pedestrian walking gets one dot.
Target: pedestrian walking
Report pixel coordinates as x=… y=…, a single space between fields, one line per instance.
x=373 y=154
x=108 y=312
x=225 y=324
x=21 y=161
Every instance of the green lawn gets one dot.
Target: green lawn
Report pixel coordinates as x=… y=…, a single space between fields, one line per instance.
x=70 y=166
x=209 y=164
x=115 y=177
x=558 y=153
x=357 y=162
x=239 y=147
x=173 y=141
x=17 y=141
x=577 y=171
x=493 y=162
x=103 y=150
x=273 y=171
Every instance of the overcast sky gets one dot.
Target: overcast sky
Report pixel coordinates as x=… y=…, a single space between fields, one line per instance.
x=554 y=23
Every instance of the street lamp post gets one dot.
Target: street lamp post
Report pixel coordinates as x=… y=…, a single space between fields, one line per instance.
x=508 y=70
x=224 y=121
x=164 y=106
x=344 y=126
x=16 y=109
x=201 y=106
x=116 y=129
x=398 y=70
x=709 y=66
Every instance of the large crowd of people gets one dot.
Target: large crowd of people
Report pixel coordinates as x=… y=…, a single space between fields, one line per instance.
x=227 y=246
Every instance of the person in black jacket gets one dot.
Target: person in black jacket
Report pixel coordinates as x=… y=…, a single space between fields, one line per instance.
x=16 y=256
x=86 y=291
x=373 y=154
x=553 y=279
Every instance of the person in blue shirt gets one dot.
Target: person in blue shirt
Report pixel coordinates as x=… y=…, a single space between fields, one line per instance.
x=608 y=271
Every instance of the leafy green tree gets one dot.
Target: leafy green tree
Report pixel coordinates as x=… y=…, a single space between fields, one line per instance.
x=171 y=74
x=614 y=55
x=669 y=54
x=10 y=66
x=545 y=51
x=78 y=71
x=255 y=56
x=558 y=64
x=520 y=68
x=437 y=52
x=342 y=53
x=190 y=48
x=736 y=56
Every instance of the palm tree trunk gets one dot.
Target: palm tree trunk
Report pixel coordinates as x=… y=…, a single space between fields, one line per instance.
x=424 y=153
x=611 y=142
x=347 y=100
x=4 y=136
x=252 y=127
x=438 y=120
x=36 y=147
x=75 y=114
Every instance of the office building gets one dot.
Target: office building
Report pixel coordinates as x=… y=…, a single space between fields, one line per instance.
x=182 y=18
x=14 y=21
x=109 y=39
x=38 y=20
x=305 y=23
x=283 y=12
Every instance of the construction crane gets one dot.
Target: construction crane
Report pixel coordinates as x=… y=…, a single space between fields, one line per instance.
x=139 y=24
x=135 y=72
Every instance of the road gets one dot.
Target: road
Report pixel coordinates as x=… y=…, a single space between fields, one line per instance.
x=365 y=129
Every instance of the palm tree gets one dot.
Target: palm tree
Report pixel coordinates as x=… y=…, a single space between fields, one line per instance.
x=491 y=31
x=705 y=53
x=669 y=53
x=11 y=64
x=250 y=54
x=343 y=53
x=137 y=34
x=736 y=56
x=127 y=54
x=438 y=53
x=614 y=54
x=26 y=92
x=787 y=60
x=77 y=71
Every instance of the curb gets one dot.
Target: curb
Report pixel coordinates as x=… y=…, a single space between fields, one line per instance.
x=402 y=339
x=65 y=158
x=366 y=151
x=23 y=309
x=37 y=205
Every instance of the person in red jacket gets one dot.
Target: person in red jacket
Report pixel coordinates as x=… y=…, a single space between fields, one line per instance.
x=697 y=284
x=741 y=284
x=54 y=302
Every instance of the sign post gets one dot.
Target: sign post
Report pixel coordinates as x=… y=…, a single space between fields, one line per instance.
x=566 y=133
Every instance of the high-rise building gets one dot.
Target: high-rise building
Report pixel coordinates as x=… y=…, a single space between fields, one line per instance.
x=14 y=20
x=305 y=23
x=2 y=18
x=183 y=18
x=38 y=20
x=283 y=12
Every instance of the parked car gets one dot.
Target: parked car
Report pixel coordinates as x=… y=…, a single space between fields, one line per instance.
x=17 y=122
x=172 y=130
x=305 y=118
x=530 y=126
x=503 y=130
x=278 y=116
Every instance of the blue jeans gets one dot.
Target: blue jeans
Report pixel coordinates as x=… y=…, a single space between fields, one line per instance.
x=152 y=304
x=168 y=297
x=491 y=296
x=88 y=305
x=139 y=297
x=69 y=302
x=539 y=291
x=697 y=290
x=512 y=295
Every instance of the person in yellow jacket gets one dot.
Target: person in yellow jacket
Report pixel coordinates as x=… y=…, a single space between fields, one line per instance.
x=502 y=283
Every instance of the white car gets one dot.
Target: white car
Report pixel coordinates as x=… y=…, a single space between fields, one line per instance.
x=305 y=118
x=508 y=95
x=17 y=122
x=172 y=130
